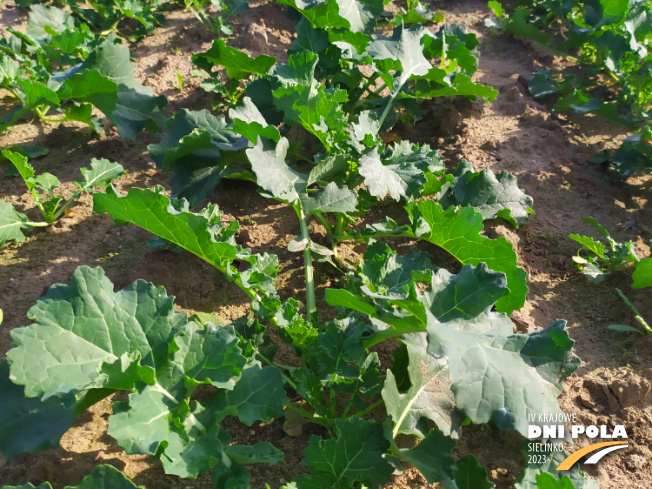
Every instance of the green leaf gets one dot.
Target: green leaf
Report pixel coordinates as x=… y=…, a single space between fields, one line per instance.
x=623 y=328
x=331 y=198
x=259 y=395
x=198 y=147
x=136 y=106
x=202 y=234
x=490 y=194
x=260 y=452
x=635 y=153
x=250 y=123
x=11 y=223
x=355 y=455
x=361 y=14
x=321 y=13
x=272 y=172
x=306 y=102
x=101 y=173
x=497 y=8
x=147 y=424
x=238 y=64
x=403 y=51
x=590 y=244
x=433 y=456
x=84 y=332
x=457 y=230
x=594 y=273
x=469 y=474
x=429 y=395
x=500 y=376
x=400 y=171
x=101 y=477
x=540 y=85
x=642 y=276
x=105 y=477
x=518 y=24
x=28 y=424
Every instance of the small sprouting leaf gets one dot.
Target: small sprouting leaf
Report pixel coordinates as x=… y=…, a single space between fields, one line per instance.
x=101 y=173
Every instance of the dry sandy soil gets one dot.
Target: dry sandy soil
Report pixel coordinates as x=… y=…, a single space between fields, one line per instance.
x=550 y=155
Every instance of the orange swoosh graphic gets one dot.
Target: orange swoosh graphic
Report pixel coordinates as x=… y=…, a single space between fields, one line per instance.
x=575 y=456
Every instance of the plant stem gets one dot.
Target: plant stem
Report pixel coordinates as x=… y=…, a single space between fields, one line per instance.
x=339 y=226
x=392 y=332
x=75 y=196
x=311 y=303
x=37 y=224
x=369 y=409
x=269 y=362
x=309 y=416
x=327 y=225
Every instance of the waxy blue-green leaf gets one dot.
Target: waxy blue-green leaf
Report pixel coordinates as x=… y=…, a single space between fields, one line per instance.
x=201 y=149
x=86 y=335
x=356 y=455
x=400 y=170
x=528 y=480
x=428 y=397
x=28 y=424
x=250 y=123
x=136 y=106
x=492 y=195
x=503 y=377
x=259 y=395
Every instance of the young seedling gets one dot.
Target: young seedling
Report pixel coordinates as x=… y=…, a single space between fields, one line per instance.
x=42 y=187
x=647 y=330
x=599 y=262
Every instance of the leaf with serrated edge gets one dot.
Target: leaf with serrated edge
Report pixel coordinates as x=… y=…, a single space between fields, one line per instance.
x=83 y=326
x=489 y=194
x=355 y=455
x=202 y=234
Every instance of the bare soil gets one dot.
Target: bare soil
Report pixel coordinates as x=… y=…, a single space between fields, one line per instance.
x=549 y=155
